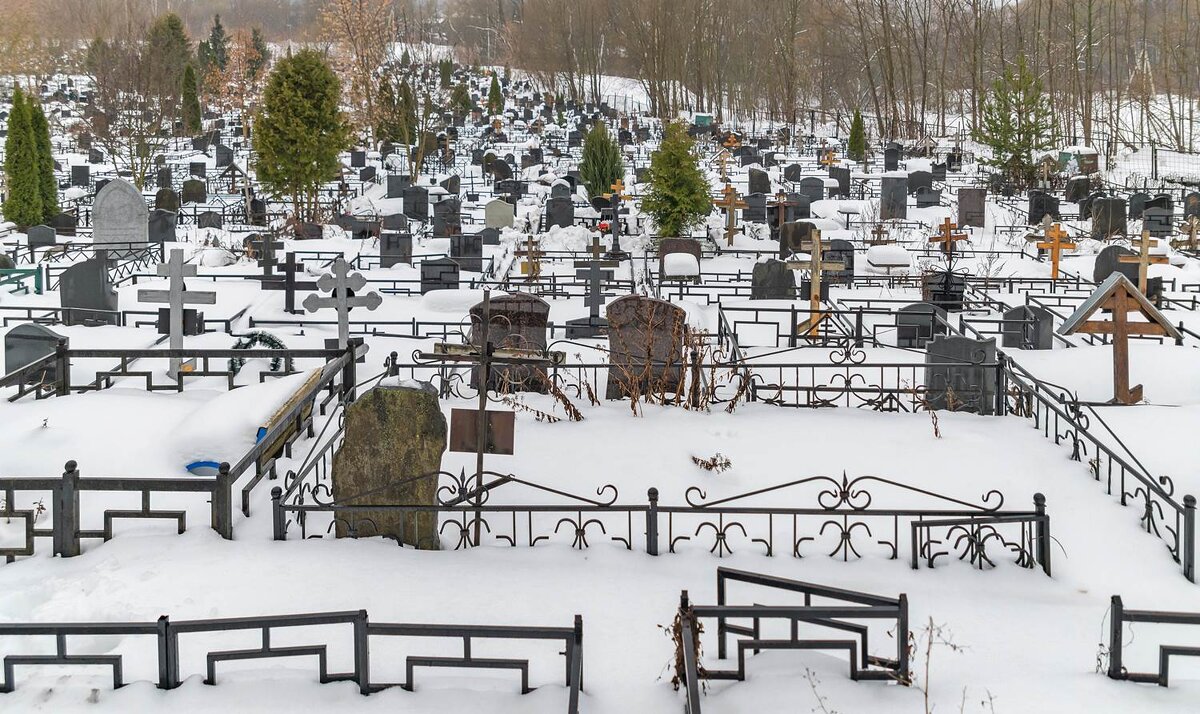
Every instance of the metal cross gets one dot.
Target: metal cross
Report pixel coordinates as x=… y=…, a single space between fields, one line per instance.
x=176 y=296
x=288 y=283
x=1056 y=243
x=593 y=271
x=881 y=236
x=532 y=267
x=781 y=204
x=731 y=204
x=1144 y=260
x=341 y=283
x=828 y=160
x=264 y=250
x=618 y=194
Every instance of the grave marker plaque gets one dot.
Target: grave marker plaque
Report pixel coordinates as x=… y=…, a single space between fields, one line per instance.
x=646 y=338
x=960 y=374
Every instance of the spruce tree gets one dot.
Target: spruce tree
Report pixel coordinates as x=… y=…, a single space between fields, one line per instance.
x=678 y=195
x=170 y=50
x=47 y=183
x=445 y=69
x=191 y=103
x=856 y=145
x=213 y=53
x=262 y=53
x=23 y=203
x=300 y=130
x=601 y=164
x=495 y=100
x=460 y=99
x=1015 y=121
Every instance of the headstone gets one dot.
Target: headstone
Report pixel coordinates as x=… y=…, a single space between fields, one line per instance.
x=366 y=174
x=1077 y=187
x=81 y=175
x=40 y=236
x=891 y=158
x=671 y=246
x=416 y=202
x=795 y=237
x=841 y=251
x=1108 y=262
x=972 y=207
x=358 y=159
x=1159 y=221
x=1191 y=205
x=209 y=219
x=396 y=183
x=756 y=208
x=1028 y=327
x=447 y=218
x=560 y=212
x=646 y=338
x=772 y=280
x=918 y=180
x=1108 y=217
x=394 y=436
x=1086 y=203
x=164 y=178
x=224 y=156
x=961 y=374
x=395 y=248
x=928 y=198
x=944 y=289
x=64 y=224
x=841 y=174
x=939 y=172
x=918 y=323
x=490 y=236
x=161 y=226
x=27 y=343
x=1042 y=204
x=518 y=320
x=439 y=274
x=119 y=215
x=467 y=251
x=1137 y=204
x=813 y=187
x=893 y=197
x=194 y=191
x=166 y=199
x=396 y=222
x=793 y=172
x=87 y=295
x=258 y=212
x=1163 y=201
x=759 y=181
x=198 y=169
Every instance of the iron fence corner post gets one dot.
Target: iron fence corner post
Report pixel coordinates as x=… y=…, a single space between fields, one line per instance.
x=578 y=645
x=278 y=531
x=1042 y=530
x=1188 y=556
x=66 y=513
x=652 y=522
x=393 y=365
x=222 y=502
x=1116 y=617
x=1001 y=384
x=166 y=654
x=362 y=653
x=902 y=640
x=62 y=369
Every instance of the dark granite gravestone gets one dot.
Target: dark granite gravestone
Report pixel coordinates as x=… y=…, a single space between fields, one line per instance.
x=119 y=215
x=944 y=289
x=167 y=200
x=1163 y=201
x=452 y=184
x=163 y=178
x=367 y=173
x=40 y=236
x=667 y=246
x=439 y=274
x=224 y=156
x=200 y=143
x=95 y=156
x=939 y=172
x=467 y=251
x=194 y=191
x=394 y=436
x=560 y=189
x=795 y=237
x=928 y=198
x=86 y=294
x=161 y=226
x=489 y=236
x=793 y=172
x=1159 y=221
x=893 y=197
x=396 y=183
x=918 y=180
x=1108 y=262
x=358 y=159
x=891 y=158
x=64 y=224
x=560 y=212
x=416 y=202
x=972 y=207
x=960 y=374
x=198 y=169
x=839 y=251
x=258 y=212
x=1077 y=187
x=1137 y=204
x=395 y=222
x=772 y=280
x=27 y=343
x=1028 y=327
x=81 y=175
x=813 y=187
x=841 y=174
x=646 y=338
x=395 y=248
x=759 y=181
x=518 y=320
x=500 y=171
x=1042 y=204
x=209 y=219
x=918 y=323
x=447 y=218
x=1191 y=205
x=802 y=209
x=756 y=208
x=1085 y=204
x=1108 y=217
x=954 y=161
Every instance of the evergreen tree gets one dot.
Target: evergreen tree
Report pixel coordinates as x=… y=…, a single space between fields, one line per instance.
x=678 y=196
x=23 y=204
x=405 y=59
x=396 y=114
x=168 y=44
x=262 y=53
x=300 y=130
x=445 y=69
x=460 y=99
x=495 y=100
x=856 y=145
x=213 y=53
x=1015 y=121
x=191 y=103
x=47 y=183
x=601 y=165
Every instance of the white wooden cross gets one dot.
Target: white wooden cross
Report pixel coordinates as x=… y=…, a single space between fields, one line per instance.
x=176 y=296
x=340 y=283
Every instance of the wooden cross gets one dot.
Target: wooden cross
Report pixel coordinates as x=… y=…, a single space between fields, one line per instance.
x=1191 y=226
x=288 y=283
x=593 y=271
x=828 y=160
x=618 y=194
x=1144 y=260
x=816 y=265
x=881 y=235
x=176 y=296
x=532 y=267
x=731 y=204
x=341 y=284
x=723 y=158
x=781 y=205
x=1056 y=243
x=947 y=237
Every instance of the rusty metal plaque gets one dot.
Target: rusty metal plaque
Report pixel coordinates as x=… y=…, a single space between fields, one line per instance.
x=464 y=430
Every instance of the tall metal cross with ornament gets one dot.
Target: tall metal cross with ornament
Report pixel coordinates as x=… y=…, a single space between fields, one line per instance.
x=176 y=296
x=594 y=272
x=816 y=265
x=731 y=204
x=341 y=284
x=1056 y=242
x=828 y=160
x=618 y=194
x=264 y=249
x=1144 y=260
x=947 y=237
x=288 y=282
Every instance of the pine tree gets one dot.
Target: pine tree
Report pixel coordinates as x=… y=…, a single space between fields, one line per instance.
x=396 y=114
x=601 y=164
x=47 y=183
x=168 y=44
x=678 y=196
x=262 y=53
x=23 y=204
x=213 y=53
x=445 y=69
x=495 y=100
x=300 y=130
x=191 y=103
x=1015 y=121
x=856 y=145
x=460 y=99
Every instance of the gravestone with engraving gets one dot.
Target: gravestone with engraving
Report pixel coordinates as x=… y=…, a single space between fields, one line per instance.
x=918 y=180
x=439 y=274
x=167 y=200
x=467 y=251
x=518 y=320
x=416 y=202
x=560 y=212
x=194 y=191
x=1108 y=217
x=928 y=197
x=972 y=203
x=961 y=374
x=772 y=280
x=161 y=225
x=27 y=343
x=86 y=293
x=1042 y=204
x=813 y=187
x=1028 y=327
x=918 y=323
x=841 y=174
x=210 y=219
x=646 y=338
x=795 y=237
x=1158 y=221
x=498 y=214
x=40 y=236
x=759 y=181
x=395 y=248
x=1137 y=204
x=119 y=216
x=893 y=197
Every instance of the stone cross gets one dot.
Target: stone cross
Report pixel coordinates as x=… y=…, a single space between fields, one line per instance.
x=1056 y=243
x=947 y=237
x=340 y=284
x=288 y=283
x=532 y=267
x=1143 y=259
x=816 y=265
x=176 y=296
x=593 y=271
x=731 y=203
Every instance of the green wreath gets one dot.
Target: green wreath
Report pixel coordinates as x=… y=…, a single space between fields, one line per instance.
x=251 y=340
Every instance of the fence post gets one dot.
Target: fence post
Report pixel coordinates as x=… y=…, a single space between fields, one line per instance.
x=350 y=371
x=393 y=365
x=858 y=327
x=1001 y=384
x=1188 y=556
x=62 y=369
x=1042 y=533
x=578 y=642
x=166 y=654
x=222 y=502
x=1115 y=620
x=1153 y=160
x=66 y=513
x=278 y=529
x=362 y=653
x=902 y=637
x=652 y=522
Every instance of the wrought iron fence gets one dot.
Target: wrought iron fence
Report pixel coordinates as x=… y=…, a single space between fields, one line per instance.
x=1118 y=616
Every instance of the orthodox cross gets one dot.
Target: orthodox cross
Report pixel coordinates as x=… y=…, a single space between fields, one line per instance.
x=880 y=235
x=816 y=265
x=288 y=283
x=593 y=271
x=1192 y=225
x=618 y=194
x=827 y=159
x=264 y=250
x=1144 y=260
x=947 y=237
x=532 y=267
x=1056 y=242
x=341 y=284
x=731 y=204
x=176 y=296
x=781 y=205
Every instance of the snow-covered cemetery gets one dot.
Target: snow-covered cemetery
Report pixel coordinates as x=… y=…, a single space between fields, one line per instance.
x=605 y=356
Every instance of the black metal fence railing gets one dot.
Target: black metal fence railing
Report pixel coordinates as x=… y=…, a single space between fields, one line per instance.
x=1118 y=616
x=169 y=634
